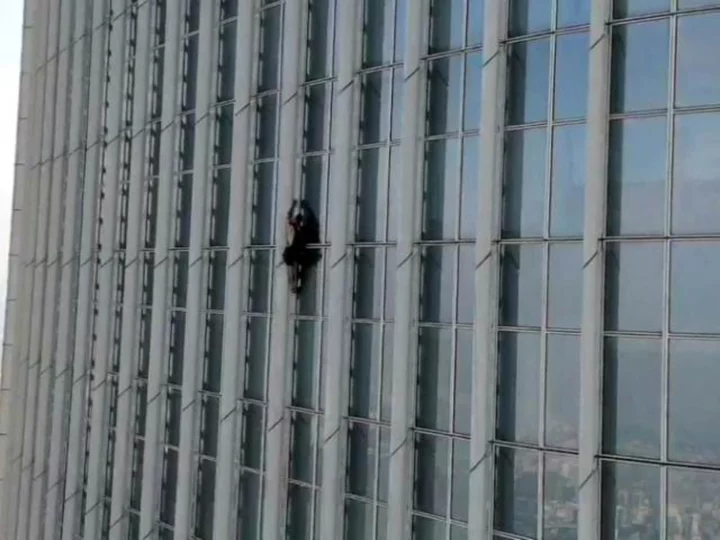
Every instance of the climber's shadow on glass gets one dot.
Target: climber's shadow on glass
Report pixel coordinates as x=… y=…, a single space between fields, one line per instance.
x=303 y=231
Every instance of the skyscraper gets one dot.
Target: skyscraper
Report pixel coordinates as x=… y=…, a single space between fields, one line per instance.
x=514 y=329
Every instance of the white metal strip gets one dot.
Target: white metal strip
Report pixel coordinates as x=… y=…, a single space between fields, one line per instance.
x=340 y=234
x=277 y=422
x=97 y=49
x=158 y=350
x=194 y=330
x=240 y=192
x=406 y=275
x=133 y=269
x=593 y=265
x=486 y=261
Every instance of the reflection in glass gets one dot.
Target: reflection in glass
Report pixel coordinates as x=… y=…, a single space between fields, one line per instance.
x=377 y=32
x=630 y=501
x=358 y=520
x=476 y=22
x=634 y=286
x=205 y=499
x=516 y=491
x=528 y=81
x=470 y=180
x=632 y=8
x=444 y=94
x=305 y=367
x=524 y=193
x=473 y=91
x=302 y=447
x=696 y=180
x=249 y=505
x=362 y=457
x=460 y=484
x=695 y=287
x=698 y=74
x=636 y=184
x=565 y=285
x=560 y=507
x=440 y=197
x=299 y=512
x=694 y=401
x=371 y=196
x=432 y=455
x=518 y=398
x=639 y=79
x=437 y=270
x=365 y=365
x=466 y=284
x=400 y=30
x=375 y=111
x=632 y=391
x=259 y=279
x=266 y=127
x=253 y=429
x=521 y=285
x=269 y=53
x=255 y=357
x=692 y=504
x=573 y=13
x=571 y=75
x=427 y=529
x=447 y=25
x=262 y=210
x=368 y=283
x=562 y=391
x=316 y=101
x=320 y=39
x=567 y=198
x=434 y=384
x=529 y=16
x=463 y=381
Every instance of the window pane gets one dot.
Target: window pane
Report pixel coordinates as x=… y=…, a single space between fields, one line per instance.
x=434 y=384
x=386 y=401
x=636 y=184
x=447 y=25
x=693 y=497
x=528 y=84
x=249 y=506
x=260 y=278
x=362 y=459
x=320 y=39
x=686 y=4
x=463 y=381
x=573 y=12
x=565 y=285
x=516 y=491
x=299 y=512
x=631 y=8
x=432 y=455
x=400 y=30
x=263 y=192
x=476 y=22
x=529 y=16
x=694 y=401
x=524 y=197
x=571 y=75
x=437 y=270
x=266 y=128
x=302 y=447
x=427 y=529
x=209 y=415
x=306 y=370
x=371 y=196
x=220 y=209
x=473 y=91
x=269 y=54
x=634 y=286
x=255 y=357
x=460 y=487
x=695 y=287
x=212 y=370
x=369 y=274
x=561 y=500
x=397 y=105
x=521 y=285
x=316 y=102
x=471 y=172
x=630 y=501
x=376 y=102
x=253 y=430
x=696 y=182
x=378 y=32
x=466 y=285
x=562 y=394
x=205 y=499
x=358 y=520
x=173 y=411
x=441 y=195
x=366 y=366
x=226 y=68
x=567 y=204
x=640 y=67
x=518 y=387
x=632 y=392
x=444 y=94
x=698 y=73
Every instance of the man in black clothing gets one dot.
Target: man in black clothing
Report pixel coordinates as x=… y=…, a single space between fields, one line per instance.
x=303 y=228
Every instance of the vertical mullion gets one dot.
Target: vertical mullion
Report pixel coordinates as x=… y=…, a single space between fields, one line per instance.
x=195 y=324
x=277 y=422
x=406 y=276
x=589 y=467
x=152 y=462
x=233 y=339
x=486 y=275
x=340 y=272
x=68 y=263
x=133 y=272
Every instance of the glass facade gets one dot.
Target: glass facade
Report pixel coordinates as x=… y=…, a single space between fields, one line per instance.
x=512 y=333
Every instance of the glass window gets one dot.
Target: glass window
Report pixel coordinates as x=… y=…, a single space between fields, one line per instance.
x=460 y=483
x=630 y=501
x=434 y=386
x=401 y=18
x=432 y=456
x=687 y=4
x=183 y=211
x=573 y=13
x=266 y=127
x=209 y=425
x=473 y=91
x=299 y=512
x=529 y=16
x=260 y=279
x=524 y=193
x=173 y=412
x=693 y=497
x=362 y=457
x=516 y=491
x=212 y=369
x=565 y=285
x=441 y=197
x=190 y=67
x=562 y=391
x=521 y=285
x=223 y=135
x=371 y=197
x=249 y=505
x=358 y=520
x=262 y=211
x=466 y=284
x=695 y=287
x=302 y=443
x=220 y=208
x=698 y=73
x=463 y=381
x=470 y=179
x=437 y=269
x=177 y=347
x=447 y=25
x=476 y=22
x=560 y=482
x=693 y=401
x=640 y=55
x=217 y=268
x=376 y=104
x=205 y=501
x=571 y=75
x=226 y=69
x=696 y=181
x=316 y=104
x=633 y=8
x=256 y=357
x=529 y=74
x=269 y=54
x=444 y=95
x=569 y=168
x=632 y=390
x=187 y=142
x=518 y=387
x=378 y=32
x=305 y=390
x=634 y=286
x=320 y=39
x=253 y=428
x=636 y=184
x=369 y=290
x=366 y=375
